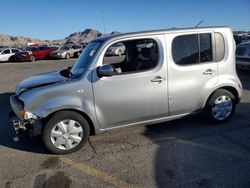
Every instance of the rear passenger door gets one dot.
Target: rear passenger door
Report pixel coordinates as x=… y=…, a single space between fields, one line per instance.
x=192 y=70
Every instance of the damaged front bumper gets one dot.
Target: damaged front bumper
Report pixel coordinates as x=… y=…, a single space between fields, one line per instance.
x=23 y=120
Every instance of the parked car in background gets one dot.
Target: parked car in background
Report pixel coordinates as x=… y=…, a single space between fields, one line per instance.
x=237 y=39
x=243 y=55
x=32 y=54
x=6 y=53
x=55 y=47
x=66 y=52
x=83 y=44
x=117 y=49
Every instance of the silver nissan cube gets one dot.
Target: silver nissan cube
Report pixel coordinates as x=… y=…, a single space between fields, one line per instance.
x=162 y=75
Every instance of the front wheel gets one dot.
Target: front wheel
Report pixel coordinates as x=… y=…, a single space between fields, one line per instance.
x=67 y=56
x=65 y=132
x=220 y=106
x=32 y=58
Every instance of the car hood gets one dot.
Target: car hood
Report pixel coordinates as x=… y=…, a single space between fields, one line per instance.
x=39 y=81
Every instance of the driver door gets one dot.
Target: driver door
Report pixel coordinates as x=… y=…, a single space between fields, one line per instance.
x=133 y=95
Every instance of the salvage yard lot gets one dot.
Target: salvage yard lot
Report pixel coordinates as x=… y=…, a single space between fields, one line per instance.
x=183 y=153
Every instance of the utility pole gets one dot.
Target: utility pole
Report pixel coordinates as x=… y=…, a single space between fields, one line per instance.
x=103 y=20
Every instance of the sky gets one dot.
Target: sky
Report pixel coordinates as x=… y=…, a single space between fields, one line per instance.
x=56 y=19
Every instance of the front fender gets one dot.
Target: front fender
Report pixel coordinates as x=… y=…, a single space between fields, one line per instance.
x=56 y=104
x=67 y=103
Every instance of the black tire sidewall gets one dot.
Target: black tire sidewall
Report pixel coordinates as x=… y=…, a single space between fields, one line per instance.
x=208 y=110
x=57 y=117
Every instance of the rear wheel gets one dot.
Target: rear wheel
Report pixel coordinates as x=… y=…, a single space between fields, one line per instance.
x=220 y=106
x=65 y=132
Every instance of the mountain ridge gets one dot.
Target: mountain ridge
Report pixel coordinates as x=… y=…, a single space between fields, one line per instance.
x=76 y=37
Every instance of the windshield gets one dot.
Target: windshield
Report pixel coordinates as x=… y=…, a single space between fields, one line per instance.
x=64 y=48
x=31 y=49
x=85 y=58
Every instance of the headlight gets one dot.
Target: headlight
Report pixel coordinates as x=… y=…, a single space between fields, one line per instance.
x=29 y=115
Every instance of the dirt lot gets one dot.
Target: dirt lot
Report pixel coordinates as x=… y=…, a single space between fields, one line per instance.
x=183 y=153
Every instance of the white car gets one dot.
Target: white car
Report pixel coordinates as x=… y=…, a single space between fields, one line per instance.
x=117 y=49
x=6 y=53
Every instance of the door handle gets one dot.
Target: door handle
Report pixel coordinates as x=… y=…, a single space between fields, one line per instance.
x=158 y=79
x=208 y=72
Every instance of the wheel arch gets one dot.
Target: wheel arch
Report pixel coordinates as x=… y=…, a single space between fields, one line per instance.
x=231 y=89
x=88 y=119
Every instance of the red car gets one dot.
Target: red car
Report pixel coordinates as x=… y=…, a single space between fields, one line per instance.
x=32 y=54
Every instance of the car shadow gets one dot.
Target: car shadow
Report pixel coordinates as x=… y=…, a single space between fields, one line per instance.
x=8 y=137
x=193 y=153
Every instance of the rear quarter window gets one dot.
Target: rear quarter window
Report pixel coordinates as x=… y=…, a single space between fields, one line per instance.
x=219 y=46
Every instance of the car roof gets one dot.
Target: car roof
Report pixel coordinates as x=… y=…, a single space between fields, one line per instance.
x=154 y=32
x=2 y=49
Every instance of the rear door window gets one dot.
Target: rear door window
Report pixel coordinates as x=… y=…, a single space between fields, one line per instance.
x=205 y=48
x=192 y=49
x=185 y=49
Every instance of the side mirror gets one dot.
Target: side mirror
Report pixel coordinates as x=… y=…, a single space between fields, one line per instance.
x=105 y=70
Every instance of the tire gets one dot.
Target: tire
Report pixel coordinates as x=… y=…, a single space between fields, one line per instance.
x=77 y=54
x=32 y=58
x=62 y=144
x=220 y=106
x=67 y=56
